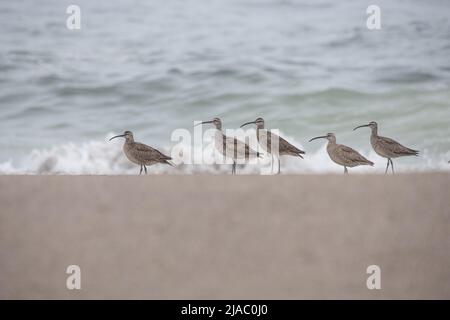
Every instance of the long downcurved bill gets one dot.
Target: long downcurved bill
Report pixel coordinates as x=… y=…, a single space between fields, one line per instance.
x=364 y=125
x=120 y=135
x=247 y=123
x=204 y=122
x=321 y=137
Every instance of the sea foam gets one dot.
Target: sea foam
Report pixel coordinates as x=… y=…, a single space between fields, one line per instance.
x=107 y=158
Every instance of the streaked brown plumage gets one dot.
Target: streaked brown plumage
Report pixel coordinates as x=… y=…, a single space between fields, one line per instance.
x=274 y=144
x=386 y=147
x=230 y=147
x=140 y=153
x=343 y=155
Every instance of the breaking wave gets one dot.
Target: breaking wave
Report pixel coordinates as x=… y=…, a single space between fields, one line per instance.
x=107 y=158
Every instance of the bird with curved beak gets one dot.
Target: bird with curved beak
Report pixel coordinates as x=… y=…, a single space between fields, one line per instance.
x=140 y=153
x=386 y=147
x=230 y=147
x=343 y=155
x=274 y=144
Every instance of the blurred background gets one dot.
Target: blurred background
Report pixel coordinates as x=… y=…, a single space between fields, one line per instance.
x=307 y=67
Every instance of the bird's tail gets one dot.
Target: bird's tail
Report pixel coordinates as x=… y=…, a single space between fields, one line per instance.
x=366 y=162
x=169 y=163
x=166 y=161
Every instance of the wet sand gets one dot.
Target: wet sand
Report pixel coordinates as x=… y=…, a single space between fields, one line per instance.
x=225 y=237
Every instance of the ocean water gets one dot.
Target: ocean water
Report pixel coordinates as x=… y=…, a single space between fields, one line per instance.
x=306 y=67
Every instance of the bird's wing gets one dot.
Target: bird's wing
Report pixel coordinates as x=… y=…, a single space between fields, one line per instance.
x=233 y=146
x=394 y=146
x=289 y=147
x=275 y=142
x=146 y=152
x=352 y=155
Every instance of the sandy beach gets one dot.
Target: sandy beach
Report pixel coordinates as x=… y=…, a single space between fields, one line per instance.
x=225 y=237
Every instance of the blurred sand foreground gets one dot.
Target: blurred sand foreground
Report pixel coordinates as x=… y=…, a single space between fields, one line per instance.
x=249 y=237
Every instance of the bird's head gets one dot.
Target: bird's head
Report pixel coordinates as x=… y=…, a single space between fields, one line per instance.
x=128 y=135
x=329 y=136
x=372 y=125
x=259 y=123
x=216 y=122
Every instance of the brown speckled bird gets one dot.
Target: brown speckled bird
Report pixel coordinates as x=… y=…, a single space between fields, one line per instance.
x=274 y=144
x=230 y=147
x=343 y=155
x=386 y=147
x=140 y=153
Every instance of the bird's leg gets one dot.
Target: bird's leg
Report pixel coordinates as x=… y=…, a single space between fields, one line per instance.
x=233 y=170
x=392 y=166
x=145 y=168
x=279 y=167
x=271 y=170
x=345 y=170
x=387 y=166
x=140 y=170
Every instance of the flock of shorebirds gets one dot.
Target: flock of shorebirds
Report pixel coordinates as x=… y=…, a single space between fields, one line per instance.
x=274 y=145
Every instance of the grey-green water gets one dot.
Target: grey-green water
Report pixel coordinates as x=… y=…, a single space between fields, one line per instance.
x=306 y=67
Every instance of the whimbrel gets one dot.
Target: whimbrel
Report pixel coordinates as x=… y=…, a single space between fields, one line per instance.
x=343 y=155
x=386 y=147
x=140 y=153
x=274 y=144
x=229 y=146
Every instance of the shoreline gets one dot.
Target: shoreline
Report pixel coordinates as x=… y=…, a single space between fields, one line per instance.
x=205 y=236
